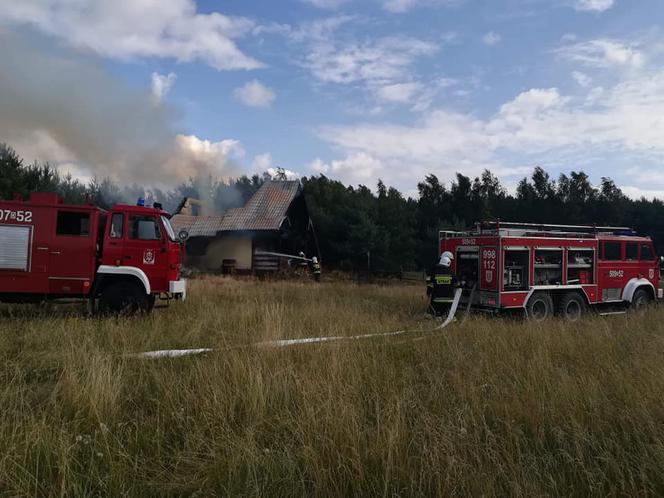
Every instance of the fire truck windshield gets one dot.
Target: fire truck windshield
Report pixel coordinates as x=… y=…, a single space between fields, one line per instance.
x=169 y=229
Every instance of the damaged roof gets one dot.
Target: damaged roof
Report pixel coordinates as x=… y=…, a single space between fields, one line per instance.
x=266 y=210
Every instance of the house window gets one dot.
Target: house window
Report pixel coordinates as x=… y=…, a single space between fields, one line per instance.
x=73 y=223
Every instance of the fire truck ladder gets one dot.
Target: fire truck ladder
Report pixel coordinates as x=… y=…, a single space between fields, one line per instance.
x=498 y=227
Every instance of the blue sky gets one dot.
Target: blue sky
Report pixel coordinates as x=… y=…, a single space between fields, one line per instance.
x=355 y=89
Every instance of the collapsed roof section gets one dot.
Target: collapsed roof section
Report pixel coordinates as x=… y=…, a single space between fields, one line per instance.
x=267 y=210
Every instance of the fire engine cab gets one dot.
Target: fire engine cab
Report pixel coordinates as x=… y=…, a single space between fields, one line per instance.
x=552 y=269
x=121 y=260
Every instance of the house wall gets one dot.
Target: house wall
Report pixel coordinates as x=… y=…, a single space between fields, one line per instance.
x=235 y=247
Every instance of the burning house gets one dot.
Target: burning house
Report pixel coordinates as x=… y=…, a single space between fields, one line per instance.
x=275 y=220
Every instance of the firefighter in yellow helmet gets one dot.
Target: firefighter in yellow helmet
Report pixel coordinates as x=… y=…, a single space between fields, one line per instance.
x=441 y=285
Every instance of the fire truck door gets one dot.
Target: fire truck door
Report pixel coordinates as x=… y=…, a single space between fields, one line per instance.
x=611 y=269
x=145 y=247
x=71 y=254
x=113 y=245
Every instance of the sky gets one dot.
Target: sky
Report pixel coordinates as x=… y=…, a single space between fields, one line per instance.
x=359 y=90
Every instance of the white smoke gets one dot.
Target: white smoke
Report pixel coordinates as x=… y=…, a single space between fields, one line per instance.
x=66 y=108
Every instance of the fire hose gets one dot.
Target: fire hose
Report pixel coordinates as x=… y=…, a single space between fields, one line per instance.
x=176 y=353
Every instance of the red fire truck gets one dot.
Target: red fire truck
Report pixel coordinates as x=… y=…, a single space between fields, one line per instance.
x=552 y=269
x=121 y=259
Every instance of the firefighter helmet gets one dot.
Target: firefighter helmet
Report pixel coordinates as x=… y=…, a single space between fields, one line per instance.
x=445 y=261
x=314 y=260
x=447 y=254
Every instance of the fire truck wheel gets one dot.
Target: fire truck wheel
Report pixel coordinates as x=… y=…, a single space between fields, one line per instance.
x=540 y=306
x=572 y=306
x=123 y=297
x=641 y=298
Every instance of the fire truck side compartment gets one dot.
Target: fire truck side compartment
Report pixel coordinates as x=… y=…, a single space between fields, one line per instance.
x=15 y=243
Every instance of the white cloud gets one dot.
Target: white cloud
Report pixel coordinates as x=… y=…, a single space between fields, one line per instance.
x=200 y=149
x=491 y=38
x=394 y=6
x=581 y=79
x=317 y=31
x=161 y=84
x=398 y=92
x=415 y=93
x=358 y=167
x=255 y=94
x=384 y=60
x=277 y=172
x=593 y=5
x=638 y=193
x=126 y=29
x=604 y=53
x=262 y=162
x=327 y=4
x=401 y=6
x=531 y=102
x=382 y=67
x=654 y=178
x=538 y=126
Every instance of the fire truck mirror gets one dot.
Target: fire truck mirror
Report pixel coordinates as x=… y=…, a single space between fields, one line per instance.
x=183 y=235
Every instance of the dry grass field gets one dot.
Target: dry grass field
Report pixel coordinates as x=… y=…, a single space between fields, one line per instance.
x=486 y=407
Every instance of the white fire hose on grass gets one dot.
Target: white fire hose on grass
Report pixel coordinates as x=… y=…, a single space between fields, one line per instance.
x=280 y=343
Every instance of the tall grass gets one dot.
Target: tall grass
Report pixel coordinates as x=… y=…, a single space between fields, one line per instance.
x=486 y=407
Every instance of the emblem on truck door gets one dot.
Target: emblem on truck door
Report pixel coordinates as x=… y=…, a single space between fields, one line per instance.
x=148 y=257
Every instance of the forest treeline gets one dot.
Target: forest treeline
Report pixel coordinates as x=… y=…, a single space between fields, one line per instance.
x=357 y=226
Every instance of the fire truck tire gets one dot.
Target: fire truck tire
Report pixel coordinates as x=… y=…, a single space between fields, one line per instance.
x=641 y=298
x=123 y=297
x=572 y=306
x=540 y=306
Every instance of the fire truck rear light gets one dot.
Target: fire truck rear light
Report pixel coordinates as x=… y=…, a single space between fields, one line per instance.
x=86 y=284
x=118 y=262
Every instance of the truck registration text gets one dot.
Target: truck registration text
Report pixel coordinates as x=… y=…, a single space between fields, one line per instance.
x=616 y=273
x=20 y=216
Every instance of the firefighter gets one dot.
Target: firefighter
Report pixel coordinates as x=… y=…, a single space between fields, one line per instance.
x=432 y=272
x=315 y=268
x=441 y=286
x=302 y=264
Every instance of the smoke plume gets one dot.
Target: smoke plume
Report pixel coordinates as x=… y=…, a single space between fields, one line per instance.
x=67 y=108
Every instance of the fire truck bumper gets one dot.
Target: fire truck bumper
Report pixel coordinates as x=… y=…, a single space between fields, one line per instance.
x=178 y=288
